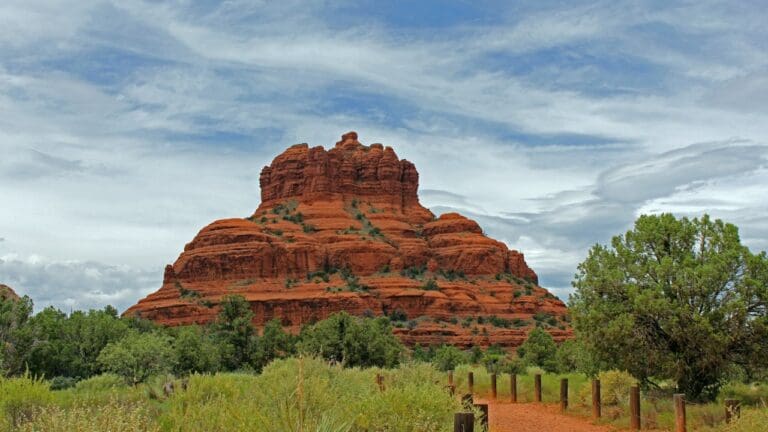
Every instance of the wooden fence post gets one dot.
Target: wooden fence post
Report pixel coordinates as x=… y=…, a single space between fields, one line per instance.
x=679 y=400
x=732 y=409
x=380 y=382
x=464 y=422
x=513 y=387
x=493 y=385
x=634 y=408
x=537 y=388
x=483 y=416
x=450 y=377
x=563 y=394
x=471 y=382
x=596 y=403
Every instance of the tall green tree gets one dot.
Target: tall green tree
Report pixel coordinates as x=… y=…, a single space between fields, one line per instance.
x=539 y=350
x=195 y=351
x=236 y=333
x=447 y=357
x=69 y=345
x=14 y=340
x=678 y=299
x=353 y=341
x=274 y=343
x=138 y=356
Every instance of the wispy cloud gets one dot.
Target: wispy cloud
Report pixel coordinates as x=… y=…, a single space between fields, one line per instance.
x=129 y=125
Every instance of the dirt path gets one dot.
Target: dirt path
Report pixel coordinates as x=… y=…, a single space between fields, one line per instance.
x=528 y=417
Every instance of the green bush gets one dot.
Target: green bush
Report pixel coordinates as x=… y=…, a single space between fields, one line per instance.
x=414 y=272
x=352 y=341
x=748 y=394
x=138 y=356
x=62 y=383
x=430 y=285
x=447 y=357
x=103 y=382
x=751 y=420
x=21 y=397
x=398 y=315
x=614 y=389
x=195 y=351
x=539 y=350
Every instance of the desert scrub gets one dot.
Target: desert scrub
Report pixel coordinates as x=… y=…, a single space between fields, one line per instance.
x=751 y=420
x=103 y=382
x=20 y=398
x=114 y=416
x=748 y=394
x=614 y=389
x=309 y=395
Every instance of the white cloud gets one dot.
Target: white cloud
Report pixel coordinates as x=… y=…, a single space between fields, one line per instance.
x=120 y=160
x=76 y=284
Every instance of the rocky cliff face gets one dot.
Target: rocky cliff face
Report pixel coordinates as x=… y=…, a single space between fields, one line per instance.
x=7 y=293
x=342 y=229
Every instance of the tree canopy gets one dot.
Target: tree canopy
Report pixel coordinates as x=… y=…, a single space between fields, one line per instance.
x=539 y=350
x=353 y=341
x=678 y=299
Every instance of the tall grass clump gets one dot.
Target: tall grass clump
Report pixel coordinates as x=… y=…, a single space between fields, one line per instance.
x=748 y=394
x=751 y=420
x=103 y=382
x=114 y=416
x=20 y=398
x=309 y=395
x=414 y=399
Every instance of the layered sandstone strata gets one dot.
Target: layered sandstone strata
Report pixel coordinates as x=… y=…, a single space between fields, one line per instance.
x=342 y=229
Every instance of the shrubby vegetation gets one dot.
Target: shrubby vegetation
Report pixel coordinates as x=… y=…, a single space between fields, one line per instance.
x=672 y=305
x=352 y=341
x=68 y=348
x=297 y=394
x=138 y=356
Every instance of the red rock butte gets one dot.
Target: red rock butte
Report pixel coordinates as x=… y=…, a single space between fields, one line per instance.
x=343 y=230
x=6 y=293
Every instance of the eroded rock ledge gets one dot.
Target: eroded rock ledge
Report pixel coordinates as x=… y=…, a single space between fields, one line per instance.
x=343 y=229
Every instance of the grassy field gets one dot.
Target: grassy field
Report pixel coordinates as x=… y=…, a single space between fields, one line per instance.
x=290 y=395
x=308 y=395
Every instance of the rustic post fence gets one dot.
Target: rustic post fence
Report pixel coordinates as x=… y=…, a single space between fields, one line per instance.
x=471 y=382
x=537 y=387
x=596 y=403
x=450 y=377
x=513 y=387
x=732 y=409
x=679 y=400
x=464 y=422
x=634 y=408
x=563 y=394
x=493 y=385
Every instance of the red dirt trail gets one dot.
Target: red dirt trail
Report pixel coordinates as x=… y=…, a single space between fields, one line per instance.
x=528 y=417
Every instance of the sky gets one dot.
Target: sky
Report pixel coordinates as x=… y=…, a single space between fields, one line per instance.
x=126 y=126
